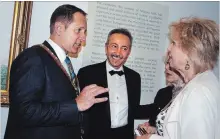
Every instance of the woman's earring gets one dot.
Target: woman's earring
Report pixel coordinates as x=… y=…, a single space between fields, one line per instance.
x=187 y=66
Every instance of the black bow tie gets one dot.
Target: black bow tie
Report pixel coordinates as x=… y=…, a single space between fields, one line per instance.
x=112 y=72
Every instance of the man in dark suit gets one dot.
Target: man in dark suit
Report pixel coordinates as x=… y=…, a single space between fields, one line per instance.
x=113 y=119
x=45 y=101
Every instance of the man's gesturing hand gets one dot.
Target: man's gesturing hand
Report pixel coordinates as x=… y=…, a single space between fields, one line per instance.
x=87 y=98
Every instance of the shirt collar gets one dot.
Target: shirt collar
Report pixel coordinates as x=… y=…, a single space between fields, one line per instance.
x=58 y=50
x=109 y=67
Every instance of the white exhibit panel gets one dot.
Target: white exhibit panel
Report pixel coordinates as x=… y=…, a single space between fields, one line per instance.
x=146 y=22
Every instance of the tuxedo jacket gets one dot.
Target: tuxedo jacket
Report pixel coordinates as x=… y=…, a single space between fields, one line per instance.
x=150 y=111
x=42 y=99
x=195 y=111
x=99 y=114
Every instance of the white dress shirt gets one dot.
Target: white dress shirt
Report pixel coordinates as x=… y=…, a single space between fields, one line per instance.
x=118 y=97
x=60 y=54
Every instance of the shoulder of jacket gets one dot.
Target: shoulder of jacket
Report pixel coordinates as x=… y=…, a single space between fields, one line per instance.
x=90 y=67
x=31 y=52
x=127 y=69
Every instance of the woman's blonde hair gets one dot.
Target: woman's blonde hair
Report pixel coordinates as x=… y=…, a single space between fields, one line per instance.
x=199 y=38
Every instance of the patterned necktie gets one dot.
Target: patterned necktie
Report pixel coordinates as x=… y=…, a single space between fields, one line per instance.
x=74 y=81
x=72 y=75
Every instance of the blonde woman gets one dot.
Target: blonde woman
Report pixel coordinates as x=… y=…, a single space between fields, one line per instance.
x=195 y=112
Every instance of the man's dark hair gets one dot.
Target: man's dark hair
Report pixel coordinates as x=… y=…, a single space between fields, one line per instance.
x=120 y=31
x=64 y=13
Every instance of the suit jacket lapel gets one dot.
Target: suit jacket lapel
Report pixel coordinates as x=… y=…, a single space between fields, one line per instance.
x=128 y=80
x=105 y=84
x=50 y=48
x=104 y=74
x=59 y=64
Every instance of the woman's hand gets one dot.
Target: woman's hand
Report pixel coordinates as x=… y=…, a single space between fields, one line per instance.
x=146 y=131
x=148 y=128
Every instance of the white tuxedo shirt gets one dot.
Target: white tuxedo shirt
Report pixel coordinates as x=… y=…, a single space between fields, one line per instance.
x=118 y=97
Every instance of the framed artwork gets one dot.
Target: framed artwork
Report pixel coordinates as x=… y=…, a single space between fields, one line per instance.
x=18 y=42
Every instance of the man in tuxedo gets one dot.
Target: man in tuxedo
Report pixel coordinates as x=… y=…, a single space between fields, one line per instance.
x=113 y=119
x=45 y=101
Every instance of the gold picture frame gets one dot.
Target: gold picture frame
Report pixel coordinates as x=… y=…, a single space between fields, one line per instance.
x=19 y=39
